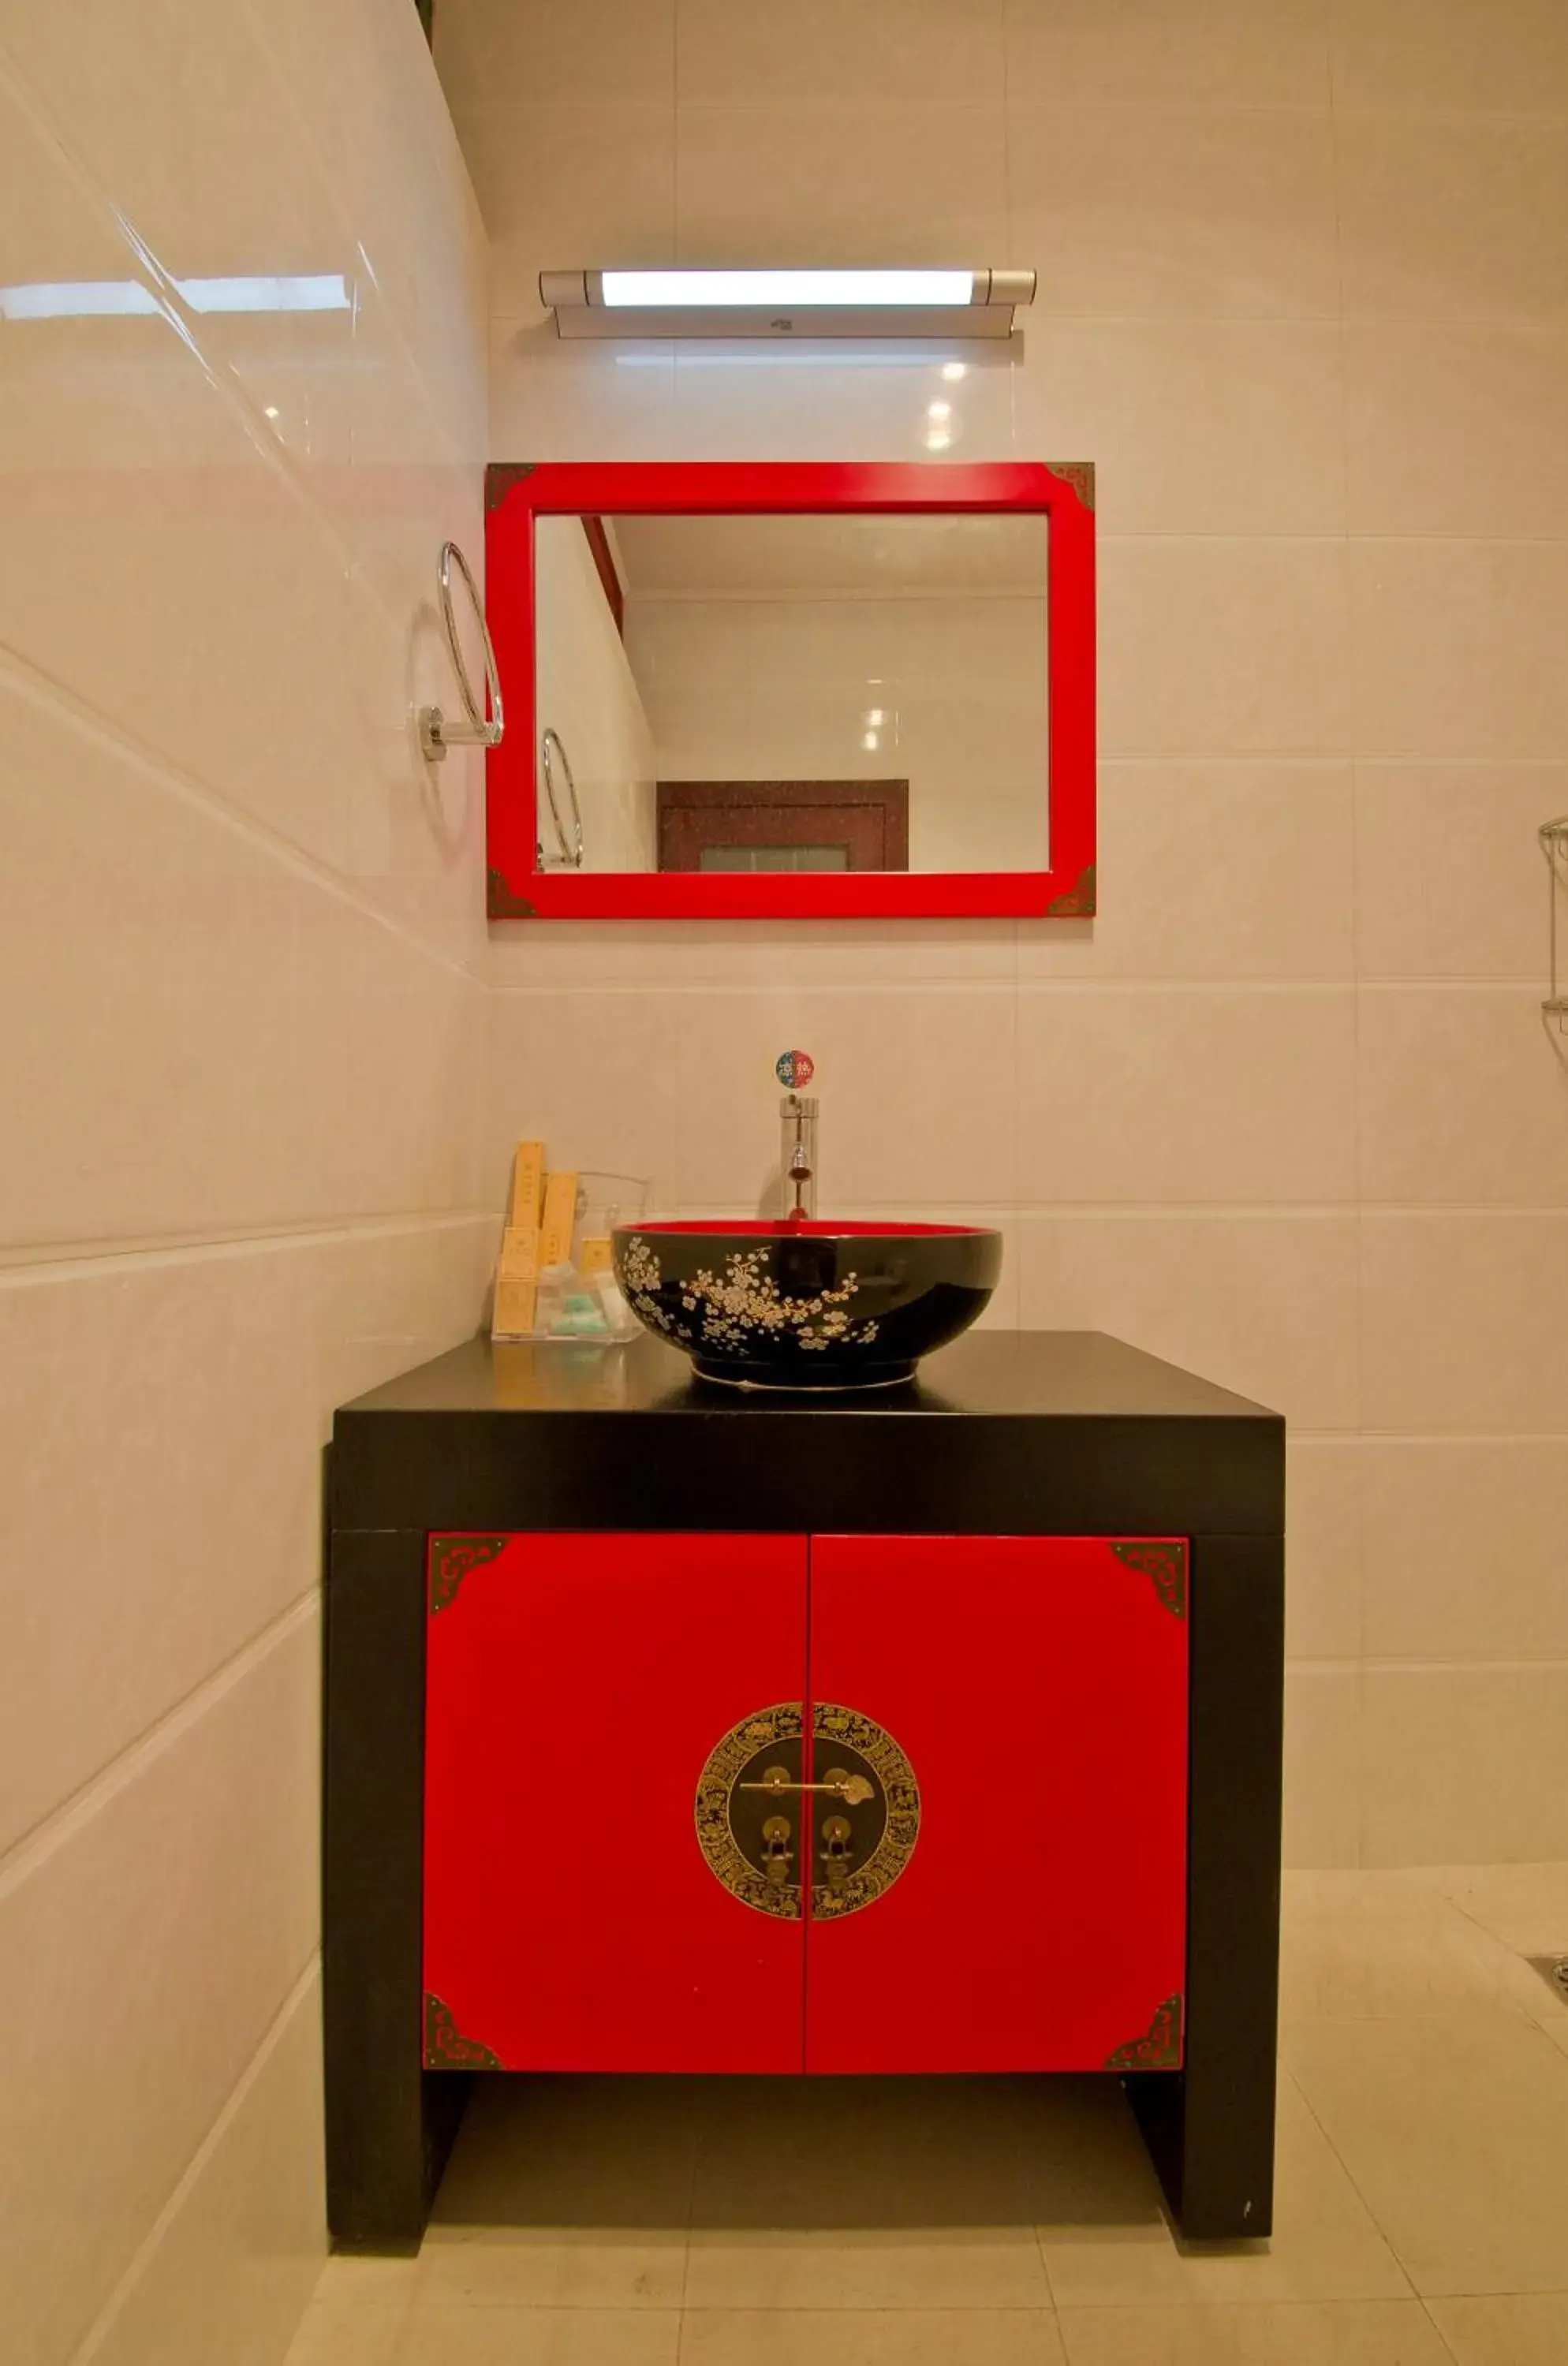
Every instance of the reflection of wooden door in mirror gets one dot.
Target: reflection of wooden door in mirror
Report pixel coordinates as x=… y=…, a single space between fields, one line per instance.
x=783 y=825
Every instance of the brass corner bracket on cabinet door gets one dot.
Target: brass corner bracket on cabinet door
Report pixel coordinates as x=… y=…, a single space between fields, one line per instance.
x=451 y=1559
x=1160 y=2046
x=445 y=2048
x=1164 y=1560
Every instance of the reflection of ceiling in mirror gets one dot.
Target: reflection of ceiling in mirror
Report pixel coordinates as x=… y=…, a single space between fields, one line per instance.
x=842 y=555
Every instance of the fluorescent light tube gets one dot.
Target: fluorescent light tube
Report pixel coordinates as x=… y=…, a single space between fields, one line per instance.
x=706 y=290
x=804 y=305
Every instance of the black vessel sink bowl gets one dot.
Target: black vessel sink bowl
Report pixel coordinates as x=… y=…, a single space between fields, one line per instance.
x=806 y=1306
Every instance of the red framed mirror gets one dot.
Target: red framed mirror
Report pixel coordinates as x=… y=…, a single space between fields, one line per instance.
x=792 y=690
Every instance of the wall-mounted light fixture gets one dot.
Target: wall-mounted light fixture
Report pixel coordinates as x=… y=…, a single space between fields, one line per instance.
x=785 y=303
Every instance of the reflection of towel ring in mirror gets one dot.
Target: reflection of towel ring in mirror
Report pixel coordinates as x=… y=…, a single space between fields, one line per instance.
x=571 y=857
x=435 y=734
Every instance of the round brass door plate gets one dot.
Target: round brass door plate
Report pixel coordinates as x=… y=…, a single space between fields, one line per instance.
x=760 y=1824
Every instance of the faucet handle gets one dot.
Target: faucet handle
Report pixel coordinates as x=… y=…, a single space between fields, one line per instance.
x=794 y=1068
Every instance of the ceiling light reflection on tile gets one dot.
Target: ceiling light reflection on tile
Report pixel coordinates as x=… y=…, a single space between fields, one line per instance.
x=68 y=299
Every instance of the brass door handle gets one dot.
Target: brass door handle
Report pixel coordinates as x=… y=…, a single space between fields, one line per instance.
x=853 y=1789
x=777 y=1854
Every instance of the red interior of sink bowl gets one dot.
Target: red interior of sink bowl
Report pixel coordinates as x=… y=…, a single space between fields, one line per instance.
x=808 y=1227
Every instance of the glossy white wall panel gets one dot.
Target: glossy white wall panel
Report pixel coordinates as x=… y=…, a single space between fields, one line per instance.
x=213 y=1038
x=125 y=1384
x=235 y=2265
x=243 y=1022
x=144 y=1949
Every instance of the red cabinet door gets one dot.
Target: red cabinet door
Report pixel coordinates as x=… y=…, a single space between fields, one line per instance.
x=577 y=1689
x=1026 y=1910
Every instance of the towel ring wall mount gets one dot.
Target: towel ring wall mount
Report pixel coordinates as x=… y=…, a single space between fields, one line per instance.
x=436 y=733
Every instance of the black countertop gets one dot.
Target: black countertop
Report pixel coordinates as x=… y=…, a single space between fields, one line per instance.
x=1037 y=1432
x=1057 y=1374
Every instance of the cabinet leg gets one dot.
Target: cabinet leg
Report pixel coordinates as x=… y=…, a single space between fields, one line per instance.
x=1209 y=2126
x=389 y=2123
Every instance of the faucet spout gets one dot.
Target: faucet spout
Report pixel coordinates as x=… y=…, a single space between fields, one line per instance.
x=799 y=1159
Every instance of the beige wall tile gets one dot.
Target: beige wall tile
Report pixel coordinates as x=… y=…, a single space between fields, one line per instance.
x=557 y=401
x=1173 y=52
x=1160 y=1095
x=1451 y=428
x=1457 y=2169
x=1322 y=1763
x=1456 y=1764
x=1196 y=426
x=741 y=52
x=252 y=927
x=818 y=404
x=1358 y=2333
x=122 y=1386
x=1457 y=217
x=1460 y=1321
x=602 y=49
x=1454 y=647
x=251 y=1007
x=599 y=1077
x=1227 y=869
x=918 y=1089
x=1175 y=210
x=1448 y=868
x=1464 y=57
x=237 y=2261
x=1323 y=1549
x=383 y=136
x=1463 y=1096
x=1511 y=2330
x=146 y=1946
x=1262 y=1303
x=1223 y=646
x=825 y=184
x=196 y=203
x=1464 y=1549
x=815 y=956
x=567 y=187
x=107 y=563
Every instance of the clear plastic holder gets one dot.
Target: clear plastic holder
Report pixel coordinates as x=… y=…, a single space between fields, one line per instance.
x=580 y=1303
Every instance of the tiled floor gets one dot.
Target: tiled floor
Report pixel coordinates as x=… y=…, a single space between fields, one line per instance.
x=1422 y=2204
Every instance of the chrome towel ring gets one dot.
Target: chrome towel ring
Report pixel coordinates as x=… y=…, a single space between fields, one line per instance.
x=571 y=857
x=435 y=734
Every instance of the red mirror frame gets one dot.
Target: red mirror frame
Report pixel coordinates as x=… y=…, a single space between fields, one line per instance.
x=518 y=492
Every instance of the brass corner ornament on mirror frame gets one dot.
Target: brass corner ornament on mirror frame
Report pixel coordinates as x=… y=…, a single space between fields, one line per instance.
x=863 y=1821
x=795 y=690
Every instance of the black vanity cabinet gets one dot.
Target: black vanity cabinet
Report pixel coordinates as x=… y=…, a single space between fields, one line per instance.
x=943 y=1725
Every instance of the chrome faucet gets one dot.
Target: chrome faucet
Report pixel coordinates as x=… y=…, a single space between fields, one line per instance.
x=798 y=1117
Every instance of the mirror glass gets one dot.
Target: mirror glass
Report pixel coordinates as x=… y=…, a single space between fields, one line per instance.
x=835 y=692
